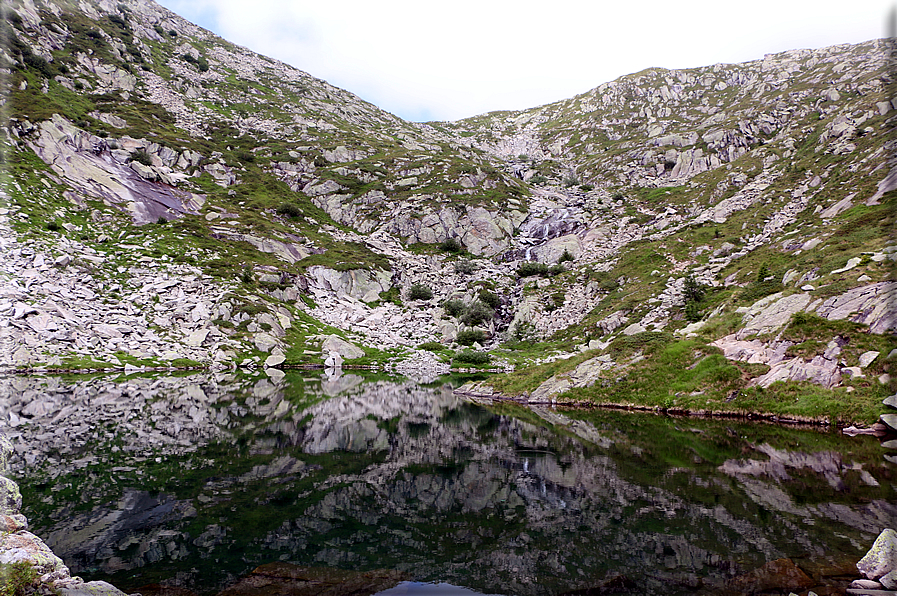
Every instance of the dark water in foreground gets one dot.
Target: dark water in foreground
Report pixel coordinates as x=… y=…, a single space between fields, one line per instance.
x=194 y=481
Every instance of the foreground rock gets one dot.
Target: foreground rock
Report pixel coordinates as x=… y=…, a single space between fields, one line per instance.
x=879 y=566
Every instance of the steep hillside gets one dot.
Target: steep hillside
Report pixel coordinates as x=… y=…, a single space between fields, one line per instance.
x=674 y=238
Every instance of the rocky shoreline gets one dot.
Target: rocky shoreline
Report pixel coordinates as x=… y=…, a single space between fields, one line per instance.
x=480 y=392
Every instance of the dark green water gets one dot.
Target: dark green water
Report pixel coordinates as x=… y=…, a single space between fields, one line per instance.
x=197 y=480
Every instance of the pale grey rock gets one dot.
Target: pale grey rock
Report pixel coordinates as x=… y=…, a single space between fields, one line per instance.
x=551 y=251
x=891 y=401
x=6 y=451
x=633 y=329
x=811 y=244
x=890 y=420
x=584 y=375
x=853 y=371
x=197 y=338
x=612 y=322
x=889 y=580
x=851 y=263
x=289 y=252
x=336 y=344
x=360 y=284
x=274 y=360
x=882 y=557
x=316 y=189
x=334 y=359
x=10 y=497
x=108 y=331
x=771 y=313
x=871 y=304
x=866 y=358
x=790 y=276
x=70 y=152
x=264 y=342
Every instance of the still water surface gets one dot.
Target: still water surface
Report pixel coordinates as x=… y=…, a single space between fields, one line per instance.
x=195 y=481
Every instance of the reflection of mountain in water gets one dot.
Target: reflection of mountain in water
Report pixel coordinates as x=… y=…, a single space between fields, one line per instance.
x=365 y=475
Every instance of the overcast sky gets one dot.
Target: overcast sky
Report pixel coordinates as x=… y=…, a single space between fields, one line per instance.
x=427 y=60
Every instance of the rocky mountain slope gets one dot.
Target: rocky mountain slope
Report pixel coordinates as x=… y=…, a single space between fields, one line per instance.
x=680 y=238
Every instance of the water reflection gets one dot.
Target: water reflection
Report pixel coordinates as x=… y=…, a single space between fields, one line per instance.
x=196 y=480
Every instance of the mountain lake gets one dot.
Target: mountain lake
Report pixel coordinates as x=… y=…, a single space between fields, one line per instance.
x=384 y=485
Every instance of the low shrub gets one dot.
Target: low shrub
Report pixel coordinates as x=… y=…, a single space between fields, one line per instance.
x=565 y=256
x=489 y=298
x=453 y=308
x=53 y=226
x=471 y=357
x=393 y=294
x=142 y=157
x=450 y=245
x=431 y=346
x=529 y=268
x=471 y=336
x=692 y=312
x=465 y=267
x=476 y=313
x=523 y=331
x=692 y=290
x=18 y=578
x=556 y=270
x=757 y=290
x=290 y=210
x=420 y=292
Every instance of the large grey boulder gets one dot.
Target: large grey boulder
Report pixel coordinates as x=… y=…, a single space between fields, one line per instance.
x=335 y=344
x=358 y=283
x=882 y=557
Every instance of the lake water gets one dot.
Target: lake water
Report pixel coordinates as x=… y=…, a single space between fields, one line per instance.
x=196 y=480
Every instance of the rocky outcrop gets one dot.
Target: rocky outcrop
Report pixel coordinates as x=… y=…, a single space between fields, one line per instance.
x=93 y=170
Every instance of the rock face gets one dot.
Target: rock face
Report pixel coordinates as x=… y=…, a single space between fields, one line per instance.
x=85 y=162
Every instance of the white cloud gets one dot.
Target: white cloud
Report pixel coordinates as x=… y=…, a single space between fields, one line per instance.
x=433 y=60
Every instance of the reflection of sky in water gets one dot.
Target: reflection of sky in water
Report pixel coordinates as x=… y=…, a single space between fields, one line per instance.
x=173 y=475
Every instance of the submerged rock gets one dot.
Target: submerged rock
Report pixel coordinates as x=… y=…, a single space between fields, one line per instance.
x=285 y=578
x=781 y=574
